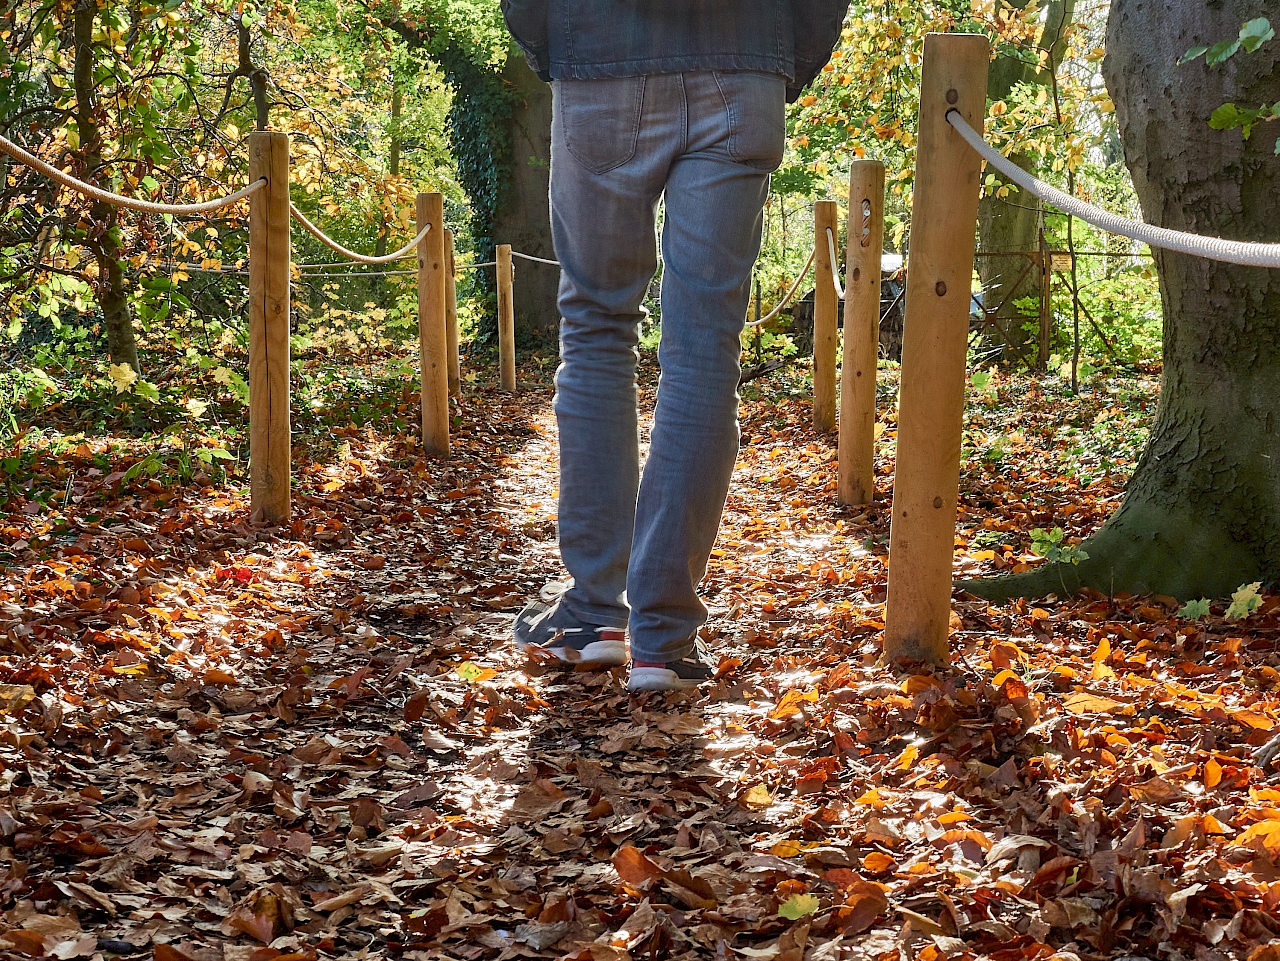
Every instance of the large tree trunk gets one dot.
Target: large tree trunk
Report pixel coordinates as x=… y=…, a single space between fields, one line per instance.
x=1009 y=227
x=1202 y=512
x=103 y=233
x=525 y=218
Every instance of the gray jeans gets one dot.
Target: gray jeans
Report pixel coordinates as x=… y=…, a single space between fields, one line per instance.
x=707 y=141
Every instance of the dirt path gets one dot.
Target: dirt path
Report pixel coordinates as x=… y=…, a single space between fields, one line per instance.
x=319 y=745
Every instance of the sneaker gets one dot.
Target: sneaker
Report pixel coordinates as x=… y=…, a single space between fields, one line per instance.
x=545 y=628
x=688 y=672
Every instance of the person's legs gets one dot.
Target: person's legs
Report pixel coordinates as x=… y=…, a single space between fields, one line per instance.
x=612 y=144
x=715 y=195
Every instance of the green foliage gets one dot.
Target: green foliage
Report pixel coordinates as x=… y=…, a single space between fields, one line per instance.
x=1244 y=602
x=1252 y=36
x=1231 y=116
x=798 y=906
x=1048 y=544
x=1194 y=610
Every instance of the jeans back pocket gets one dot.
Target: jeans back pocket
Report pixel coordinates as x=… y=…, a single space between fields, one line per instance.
x=756 y=110
x=600 y=119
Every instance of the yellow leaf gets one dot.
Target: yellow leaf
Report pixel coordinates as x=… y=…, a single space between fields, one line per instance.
x=790 y=703
x=757 y=798
x=123 y=377
x=797 y=906
x=1212 y=773
x=907 y=757
x=785 y=849
x=474 y=673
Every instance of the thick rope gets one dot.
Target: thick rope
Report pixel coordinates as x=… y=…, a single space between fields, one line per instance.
x=835 y=265
x=336 y=247
x=118 y=200
x=1211 y=248
x=304 y=274
x=787 y=299
x=536 y=260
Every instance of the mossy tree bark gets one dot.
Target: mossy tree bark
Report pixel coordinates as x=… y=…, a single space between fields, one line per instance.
x=1202 y=513
x=1009 y=226
x=524 y=219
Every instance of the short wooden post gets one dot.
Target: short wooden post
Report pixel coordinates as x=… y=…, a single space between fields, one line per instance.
x=451 y=315
x=944 y=219
x=269 y=441
x=506 y=318
x=856 y=484
x=826 y=306
x=432 y=337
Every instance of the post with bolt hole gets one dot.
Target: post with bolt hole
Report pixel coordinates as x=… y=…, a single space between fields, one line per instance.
x=432 y=337
x=826 y=309
x=269 y=441
x=857 y=476
x=944 y=219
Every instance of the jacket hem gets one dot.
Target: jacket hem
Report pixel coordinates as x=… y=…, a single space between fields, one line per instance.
x=781 y=66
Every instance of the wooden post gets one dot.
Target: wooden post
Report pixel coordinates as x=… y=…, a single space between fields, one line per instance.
x=944 y=220
x=506 y=318
x=269 y=442
x=857 y=477
x=432 y=337
x=826 y=306
x=451 y=315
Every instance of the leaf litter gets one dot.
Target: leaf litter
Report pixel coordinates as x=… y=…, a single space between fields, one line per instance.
x=224 y=742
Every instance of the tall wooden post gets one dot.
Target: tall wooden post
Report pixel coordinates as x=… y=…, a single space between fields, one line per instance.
x=269 y=441
x=506 y=318
x=433 y=339
x=451 y=315
x=826 y=306
x=857 y=476
x=935 y=340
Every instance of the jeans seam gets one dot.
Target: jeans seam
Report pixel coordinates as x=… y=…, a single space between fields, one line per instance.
x=730 y=145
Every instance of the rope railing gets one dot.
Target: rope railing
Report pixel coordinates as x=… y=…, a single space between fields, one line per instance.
x=782 y=304
x=119 y=200
x=1241 y=252
x=307 y=274
x=487 y=263
x=835 y=265
x=536 y=260
x=336 y=247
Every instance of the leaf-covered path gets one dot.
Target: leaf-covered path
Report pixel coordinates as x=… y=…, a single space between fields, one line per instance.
x=225 y=743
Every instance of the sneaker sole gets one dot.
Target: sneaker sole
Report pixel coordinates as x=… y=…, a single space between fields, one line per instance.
x=595 y=654
x=660 y=679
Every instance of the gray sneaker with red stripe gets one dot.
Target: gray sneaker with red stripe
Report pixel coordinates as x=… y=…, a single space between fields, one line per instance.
x=683 y=674
x=546 y=628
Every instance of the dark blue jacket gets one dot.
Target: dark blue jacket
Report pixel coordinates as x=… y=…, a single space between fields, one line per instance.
x=585 y=39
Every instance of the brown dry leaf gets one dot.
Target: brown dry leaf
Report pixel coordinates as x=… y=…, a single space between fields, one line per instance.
x=535 y=801
x=633 y=867
x=1086 y=703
